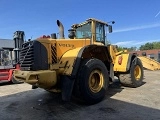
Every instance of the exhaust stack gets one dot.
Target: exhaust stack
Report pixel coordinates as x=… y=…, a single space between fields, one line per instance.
x=61 y=29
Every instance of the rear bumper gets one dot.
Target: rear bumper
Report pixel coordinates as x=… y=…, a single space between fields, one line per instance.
x=44 y=78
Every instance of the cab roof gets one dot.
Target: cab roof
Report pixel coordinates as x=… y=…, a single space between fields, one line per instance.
x=87 y=21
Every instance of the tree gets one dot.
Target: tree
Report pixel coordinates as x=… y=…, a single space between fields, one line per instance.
x=149 y=46
x=156 y=45
x=132 y=49
x=120 y=48
x=126 y=48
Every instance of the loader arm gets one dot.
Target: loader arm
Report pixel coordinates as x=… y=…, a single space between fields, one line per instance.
x=149 y=63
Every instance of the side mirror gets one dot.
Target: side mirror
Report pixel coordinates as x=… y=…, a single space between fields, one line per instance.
x=110 y=28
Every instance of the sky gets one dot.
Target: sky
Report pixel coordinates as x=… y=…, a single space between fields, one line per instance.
x=136 y=22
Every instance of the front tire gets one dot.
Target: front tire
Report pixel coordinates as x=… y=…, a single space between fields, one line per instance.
x=92 y=81
x=135 y=76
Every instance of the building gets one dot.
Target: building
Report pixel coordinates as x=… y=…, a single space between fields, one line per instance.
x=154 y=54
x=6 y=43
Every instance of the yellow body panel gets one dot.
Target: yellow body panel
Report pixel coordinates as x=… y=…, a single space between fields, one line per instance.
x=69 y=57
x=68 y=44
x=112 y=51
x=123 y=66
x=63 y=46
x=66 y=52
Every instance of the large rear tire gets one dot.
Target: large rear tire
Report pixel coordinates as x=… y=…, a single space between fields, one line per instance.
x=92 y=81
x=135 y=76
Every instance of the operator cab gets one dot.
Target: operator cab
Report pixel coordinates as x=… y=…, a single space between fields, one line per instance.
x=92 y=28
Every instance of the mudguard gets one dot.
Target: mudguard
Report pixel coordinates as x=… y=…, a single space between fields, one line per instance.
x=69 y=71
x=69 y=58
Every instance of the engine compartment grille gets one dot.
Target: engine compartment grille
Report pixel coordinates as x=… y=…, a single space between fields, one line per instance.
x=33 y=56
x=27 y=55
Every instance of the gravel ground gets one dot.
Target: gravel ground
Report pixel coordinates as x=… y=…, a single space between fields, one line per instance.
x=20 y=102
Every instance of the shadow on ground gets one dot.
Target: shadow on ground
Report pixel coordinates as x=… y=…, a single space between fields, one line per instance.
x=41 y=105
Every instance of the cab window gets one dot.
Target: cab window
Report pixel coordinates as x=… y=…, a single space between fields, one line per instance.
x=84 y=31
x=100 y=32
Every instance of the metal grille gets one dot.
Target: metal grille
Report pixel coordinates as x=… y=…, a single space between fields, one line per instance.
x=54 y=53
x=27 y=55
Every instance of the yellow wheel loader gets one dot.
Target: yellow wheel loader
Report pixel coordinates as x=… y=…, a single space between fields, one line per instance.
x=82 y=65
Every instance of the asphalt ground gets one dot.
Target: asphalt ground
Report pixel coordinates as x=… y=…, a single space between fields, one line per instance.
x=20 y=102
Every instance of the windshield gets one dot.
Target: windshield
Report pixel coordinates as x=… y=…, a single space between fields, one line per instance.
x=84 y=31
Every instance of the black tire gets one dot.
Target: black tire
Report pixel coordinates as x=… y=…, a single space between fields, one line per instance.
x=92 y=81
x=133 y=79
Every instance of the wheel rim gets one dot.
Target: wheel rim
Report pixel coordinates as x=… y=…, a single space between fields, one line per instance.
x=137 y=72
x=96 y=81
